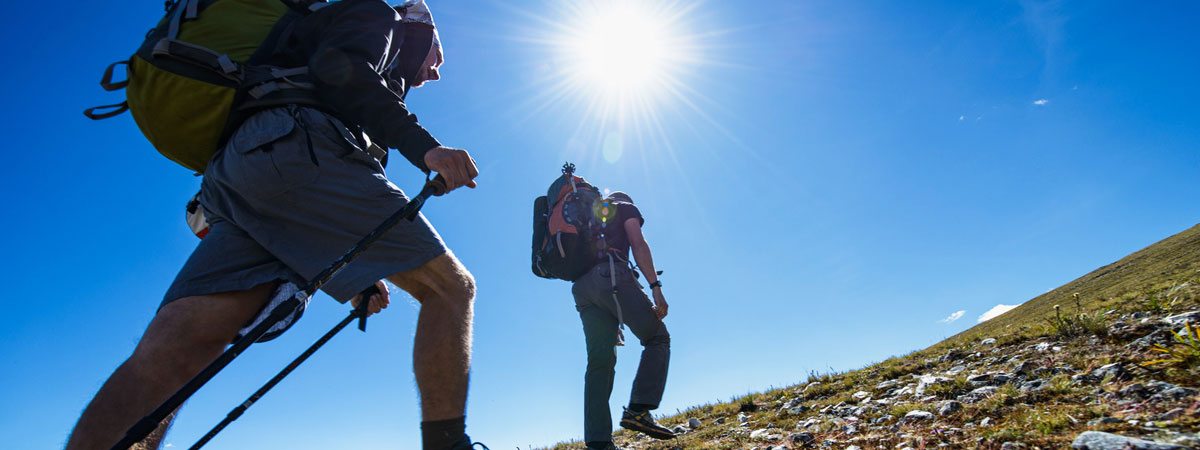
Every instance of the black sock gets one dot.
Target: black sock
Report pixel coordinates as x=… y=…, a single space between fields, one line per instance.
x=441 y=434
x=640 y=407
x=598 y=445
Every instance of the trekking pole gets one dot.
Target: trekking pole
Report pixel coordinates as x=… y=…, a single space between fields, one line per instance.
x=147 y=424
x=359 y=312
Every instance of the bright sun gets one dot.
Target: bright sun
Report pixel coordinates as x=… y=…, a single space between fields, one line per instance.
x=622 y=50
x=625 y=65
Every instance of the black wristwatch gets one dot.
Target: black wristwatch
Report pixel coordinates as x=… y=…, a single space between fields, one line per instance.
x=655 y=284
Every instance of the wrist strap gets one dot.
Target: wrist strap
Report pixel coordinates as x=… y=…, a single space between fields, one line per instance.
x=656 y=284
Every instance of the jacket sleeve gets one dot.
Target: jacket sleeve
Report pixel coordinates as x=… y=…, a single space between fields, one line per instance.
x=345 y=66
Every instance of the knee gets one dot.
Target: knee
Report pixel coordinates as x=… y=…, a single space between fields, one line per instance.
x=659 y=340
x=443 y=280
x=456 y=286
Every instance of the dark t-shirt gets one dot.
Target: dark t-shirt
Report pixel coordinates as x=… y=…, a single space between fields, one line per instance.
x=614 y=231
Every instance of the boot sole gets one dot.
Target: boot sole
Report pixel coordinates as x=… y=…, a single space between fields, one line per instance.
x=639 y=427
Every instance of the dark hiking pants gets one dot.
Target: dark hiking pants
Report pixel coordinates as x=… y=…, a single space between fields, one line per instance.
x=598 y=310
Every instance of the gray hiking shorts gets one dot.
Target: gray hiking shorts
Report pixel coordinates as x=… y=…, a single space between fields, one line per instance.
x=290 y=193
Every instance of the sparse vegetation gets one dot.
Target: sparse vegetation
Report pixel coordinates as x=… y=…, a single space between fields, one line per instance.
x=1183 y=353
x=1032 y=385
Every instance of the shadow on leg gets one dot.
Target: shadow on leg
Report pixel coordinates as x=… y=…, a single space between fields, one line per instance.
x=184 y=337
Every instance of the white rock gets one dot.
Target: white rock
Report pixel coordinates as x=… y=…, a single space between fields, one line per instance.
x=765 y=435
x=694 y=423
x=918 y=415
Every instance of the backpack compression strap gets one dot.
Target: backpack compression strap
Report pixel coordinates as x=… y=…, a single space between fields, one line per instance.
x=107 y=83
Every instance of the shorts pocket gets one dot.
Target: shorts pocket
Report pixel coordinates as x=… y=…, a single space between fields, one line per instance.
x=271 y=155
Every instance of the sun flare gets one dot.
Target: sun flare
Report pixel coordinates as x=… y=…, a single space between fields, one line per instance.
x=622 y=69
x=622 y=54
x=620 y=49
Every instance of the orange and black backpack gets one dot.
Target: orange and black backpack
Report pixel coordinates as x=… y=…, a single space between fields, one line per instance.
x=568 y=224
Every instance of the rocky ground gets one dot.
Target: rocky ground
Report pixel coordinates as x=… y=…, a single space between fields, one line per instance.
x=1075 y=381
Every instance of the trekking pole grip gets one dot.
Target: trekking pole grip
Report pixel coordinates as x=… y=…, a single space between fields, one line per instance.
x=436 y=186
x=362 y=310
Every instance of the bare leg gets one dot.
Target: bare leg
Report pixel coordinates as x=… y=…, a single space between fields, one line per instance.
x=184 y=336
x=442 y=347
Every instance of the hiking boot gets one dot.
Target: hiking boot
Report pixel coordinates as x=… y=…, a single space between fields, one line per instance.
x=644 y=423
x=466 y=444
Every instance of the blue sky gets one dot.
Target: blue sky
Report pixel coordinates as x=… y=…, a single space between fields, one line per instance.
x=833 y=180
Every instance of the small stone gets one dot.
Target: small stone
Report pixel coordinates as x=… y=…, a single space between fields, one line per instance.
x=1032 y=385
x=948 y=407
x=1012 y=446
x=1042 y=347
x=694 y=422
x=1161 y=337
x=801 y=439
x=929 y=380
x=956 y=370
x=1135 y=390
x=978 y=394
x=1177 y=393
x=1180 y=319
x=860 y=395
x=679 y=429
x=980 y=380
x=853 y=447
x=1172 y=414
x=1104 y=421
x=1099 y=440
x=953 y=354
x=764 y=435
x=918 y=415
x=1115 y=370
x=720 y=420
x=986 y=422
x=887 y=384
x=742 y=418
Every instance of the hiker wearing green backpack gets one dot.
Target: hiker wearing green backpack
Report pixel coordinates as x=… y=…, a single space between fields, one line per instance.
x=582 y=237
x=309 y=105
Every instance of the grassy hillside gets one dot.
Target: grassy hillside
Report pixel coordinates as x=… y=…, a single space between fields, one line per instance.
x=1073 y=360
x=1138 y=277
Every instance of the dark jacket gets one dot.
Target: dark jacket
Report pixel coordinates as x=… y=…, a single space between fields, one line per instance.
x=350 y=48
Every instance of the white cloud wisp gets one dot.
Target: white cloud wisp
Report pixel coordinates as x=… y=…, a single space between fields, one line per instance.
x=957 y=315
x=995 y=311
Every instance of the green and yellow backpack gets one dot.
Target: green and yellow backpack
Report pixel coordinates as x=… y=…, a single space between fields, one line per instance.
x=198 y=61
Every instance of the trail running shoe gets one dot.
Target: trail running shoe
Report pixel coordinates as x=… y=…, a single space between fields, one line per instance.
x=644 y=423
x=465 y=444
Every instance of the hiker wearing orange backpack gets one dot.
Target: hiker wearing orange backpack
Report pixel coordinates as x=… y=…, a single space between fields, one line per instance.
x=313 y=102
x=582 y=237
